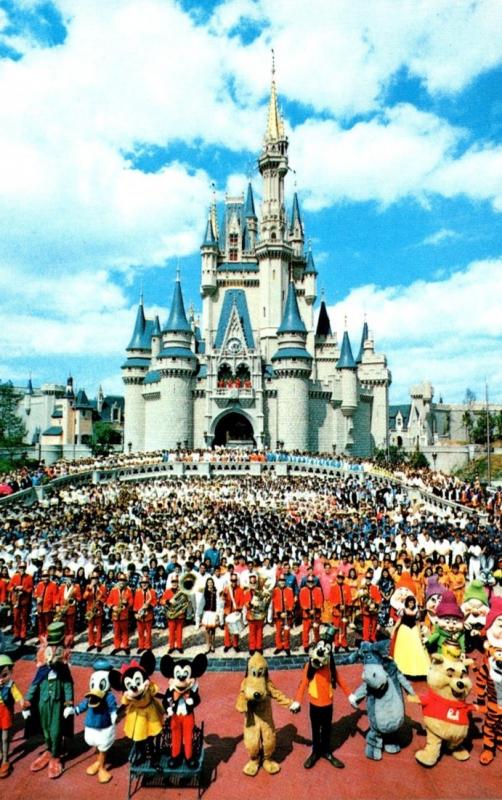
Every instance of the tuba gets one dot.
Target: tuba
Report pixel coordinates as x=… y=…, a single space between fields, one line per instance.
x=260 y=601
x=178 y=605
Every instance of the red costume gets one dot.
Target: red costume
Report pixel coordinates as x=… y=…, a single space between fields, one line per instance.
x=341 y=598
x=283 y=604
x=145 y=601
x=233 y=600
x=369 y=612
x=95 y=599
x=256 y=621
x=174 y=625
x=21 y=590
x=120 y=601
x=46 y=596
x=69 y=595
x=311 y=602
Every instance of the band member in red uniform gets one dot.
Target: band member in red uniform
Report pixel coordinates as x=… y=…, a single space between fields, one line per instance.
x=20 y=590
x=95 y=596
x=233 y=600
x=283 y=604
x=145 y=600
x=370 y=600
x=69 y=595
x=46 y=597
x=256 y=600
x=120 y=601
x=341 y=599
x=176 y=603
x=311 y=602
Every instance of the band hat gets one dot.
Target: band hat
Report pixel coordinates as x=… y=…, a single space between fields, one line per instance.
x=55 y=633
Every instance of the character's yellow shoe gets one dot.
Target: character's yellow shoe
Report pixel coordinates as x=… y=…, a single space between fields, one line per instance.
x=272 y=767
x=94 y=768
x=251 y=768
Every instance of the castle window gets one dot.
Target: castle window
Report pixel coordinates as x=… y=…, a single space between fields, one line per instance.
x=232 y=254
x=264 y=311
x=233 y=239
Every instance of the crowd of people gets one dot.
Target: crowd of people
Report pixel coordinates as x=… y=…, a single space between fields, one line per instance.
x=230 y=557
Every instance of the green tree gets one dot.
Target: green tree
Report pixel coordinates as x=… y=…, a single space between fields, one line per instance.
x=498 y=424
x=468 y=425
x=479 y=433
x=417 y=460
x=12 y=428
x=104 y=436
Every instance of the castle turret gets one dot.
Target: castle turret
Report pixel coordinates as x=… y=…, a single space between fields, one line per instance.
x=292 y=367
x=296 y=228
x=134 y=370
x=364 y=338
x=347 y=367
x=251 y=224
x=176 y=364
x=375 y=378
x=156 y=337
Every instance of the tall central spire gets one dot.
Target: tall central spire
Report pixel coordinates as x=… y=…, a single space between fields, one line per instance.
x=275 y=123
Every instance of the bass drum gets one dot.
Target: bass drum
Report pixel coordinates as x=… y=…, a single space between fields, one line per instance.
x=235 y=623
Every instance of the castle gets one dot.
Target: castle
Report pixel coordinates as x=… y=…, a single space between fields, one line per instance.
x=257 y=371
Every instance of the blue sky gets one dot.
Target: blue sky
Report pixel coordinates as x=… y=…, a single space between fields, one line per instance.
x=116 y=117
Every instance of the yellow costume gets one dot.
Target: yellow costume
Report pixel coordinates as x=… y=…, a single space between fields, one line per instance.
x=144 y=717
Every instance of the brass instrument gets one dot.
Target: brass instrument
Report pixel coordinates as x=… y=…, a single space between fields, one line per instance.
x=188 y=582
x=178 y=605
x=63 y=610
x=117 y=610
x=260 y=601
x=92 y=612
x=17 y=591
x=143 y=611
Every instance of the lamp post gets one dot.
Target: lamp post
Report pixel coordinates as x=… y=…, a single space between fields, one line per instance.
x=434 y=459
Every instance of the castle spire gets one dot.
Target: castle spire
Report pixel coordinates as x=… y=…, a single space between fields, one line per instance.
x=275 y=123
x=136 y=342
x=291 y=319
x=249 y=210
x=323 y=322
x=346 y=360
x=363 y=339
x=177 y=320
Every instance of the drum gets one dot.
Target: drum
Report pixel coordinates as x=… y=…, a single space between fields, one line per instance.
x=210 y=619
x=235 y=623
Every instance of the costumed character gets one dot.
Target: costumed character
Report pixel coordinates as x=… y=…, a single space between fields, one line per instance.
x=475 y=608
x=95 y=595
x=382 y=686
x=283 y=604
x=20 y=589
x=255 y=701
x=233 y=602
x=120 y=600
x=311 y=602
x=448 y=633
x=407 y=648
x=49 y=694
x=100 y=709
x=489 y=684
x=319 y=680
x=180 y=700
x=9 y=695
x=144 y=713
x=433 y=594
x=446 y=712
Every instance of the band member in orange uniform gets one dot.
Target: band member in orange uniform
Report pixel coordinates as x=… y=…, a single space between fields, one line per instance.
x=175 y=615
x=283 y=604
x=341 y=598
x=370 y=601
x=69 y=595
x=145 y=600
x=311 y=602
x=46 y=596
x=20 y=590
x=95 y=596
x=120 y=601
x=233 y=600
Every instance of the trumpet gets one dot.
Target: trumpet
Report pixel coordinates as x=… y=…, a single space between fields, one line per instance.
x=143 y=611
x=63 y=610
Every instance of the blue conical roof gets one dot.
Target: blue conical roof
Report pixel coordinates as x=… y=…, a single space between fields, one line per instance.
x=209 y=238
x=156 y=330
x=363 y=339
x=310 y=266
x=323 y=323
x=295 y=214
x=291 y=320
x=136 y=342
x=249 y=210
x=177 y=320
x=29 y=388
x=346 y=360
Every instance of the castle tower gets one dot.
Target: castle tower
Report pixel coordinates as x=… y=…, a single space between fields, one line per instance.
x=208 y=286
x=134 y=370
x=292 y=367
x=176 y=363
x=273 y=251
x=347 y=367
x=375 y=377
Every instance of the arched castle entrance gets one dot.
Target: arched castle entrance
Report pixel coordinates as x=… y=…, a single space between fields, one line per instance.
x=234 y=430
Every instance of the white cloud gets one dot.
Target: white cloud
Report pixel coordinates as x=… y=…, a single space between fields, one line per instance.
x=448 y=331
x=440 y=236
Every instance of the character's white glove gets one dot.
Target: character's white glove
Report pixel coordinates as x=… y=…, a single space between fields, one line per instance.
x=189 y=701
x=26 y=713
x=170 y=712
x=113 y=717
x=68 y=712
x=352 y=700
x=295 y=707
